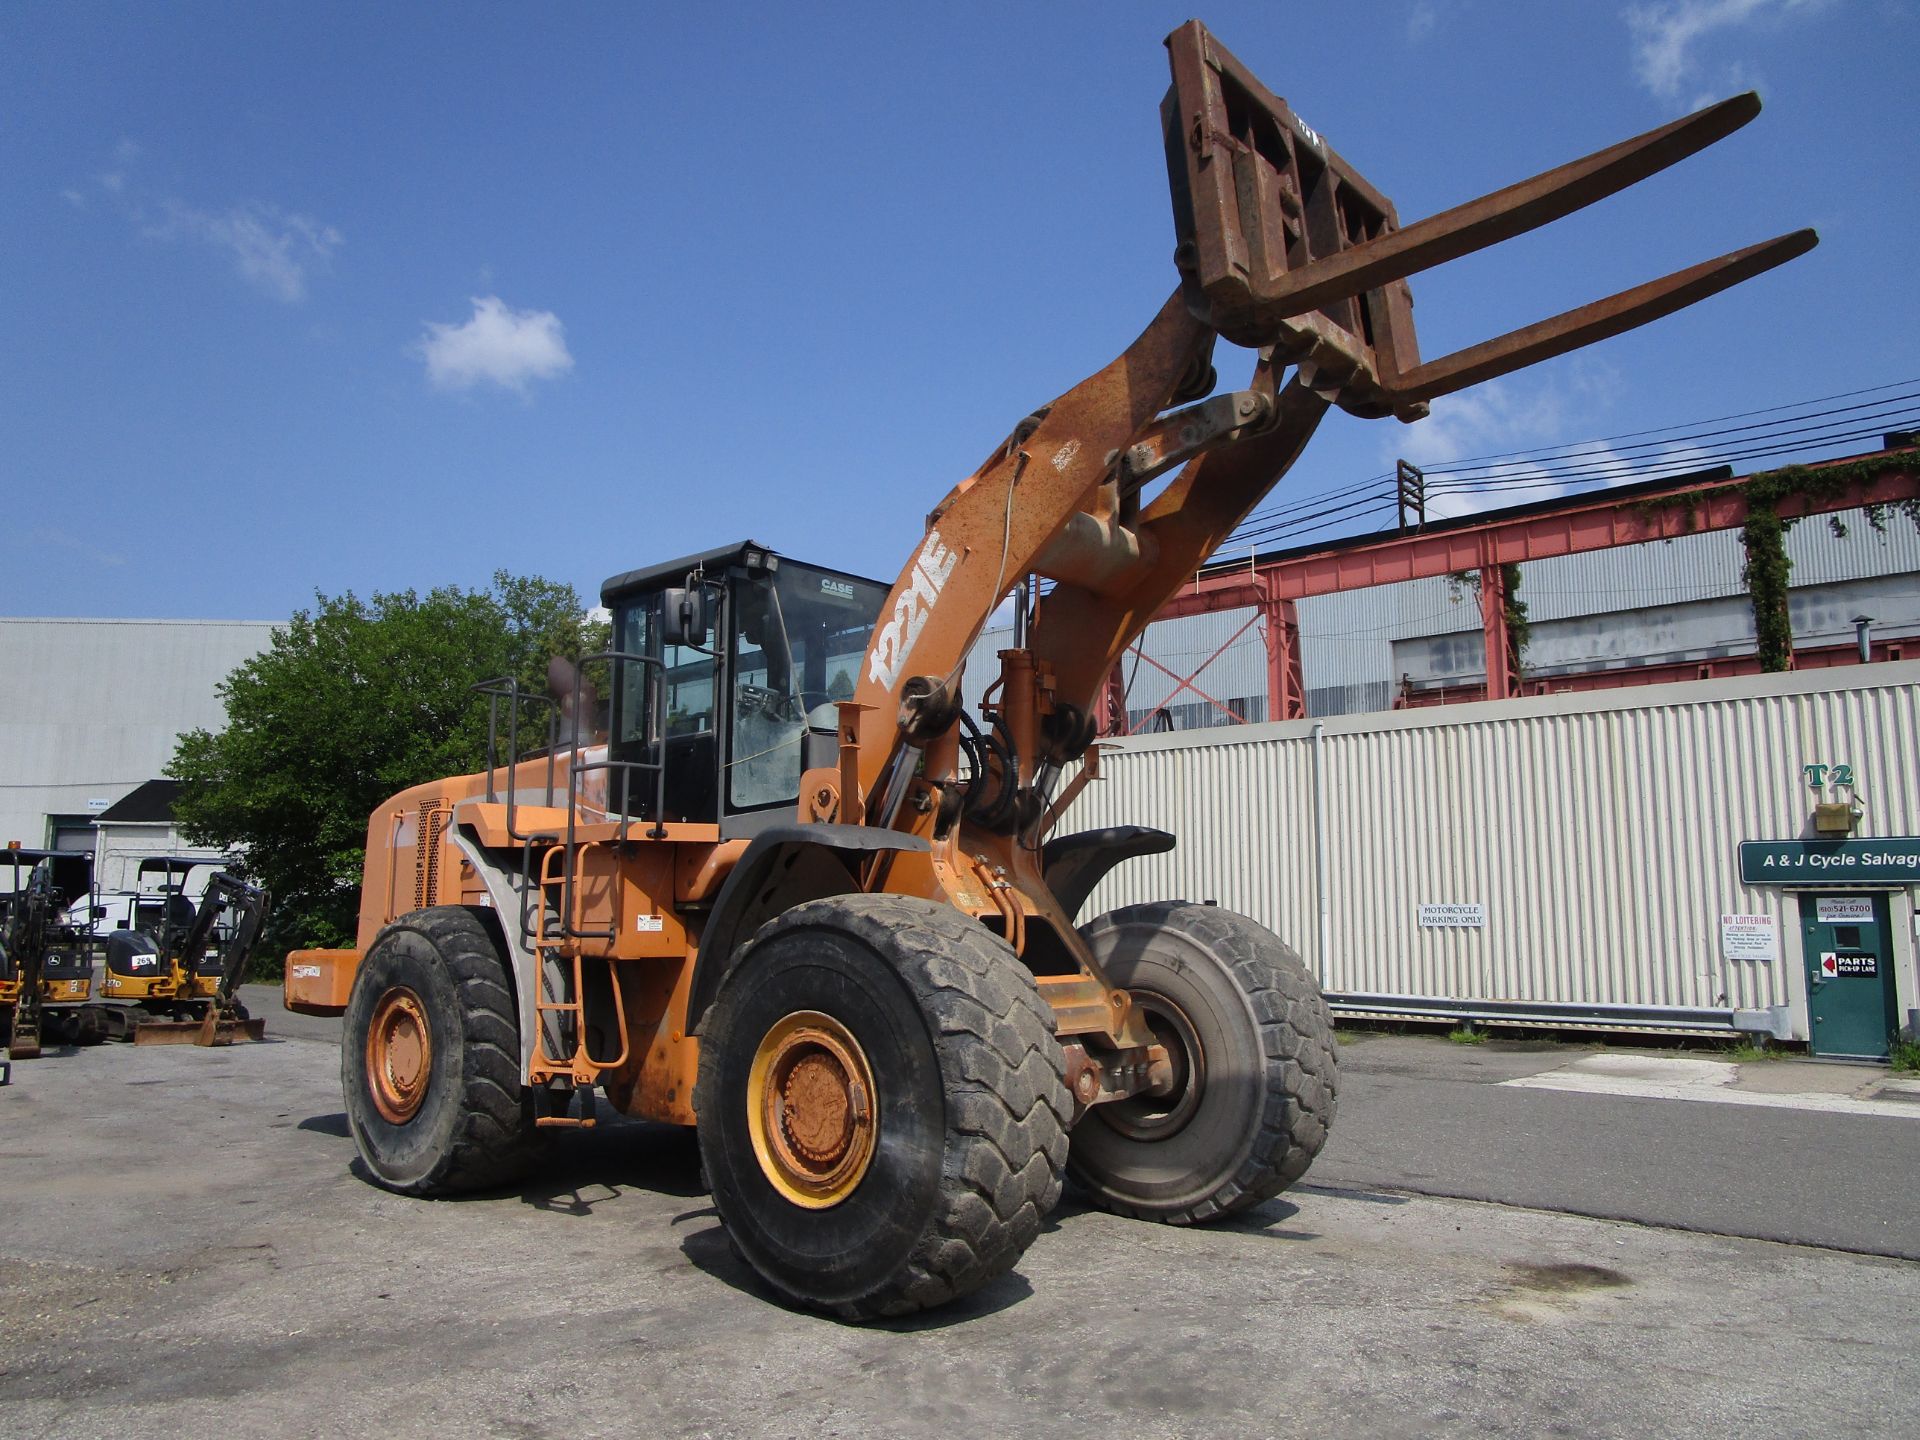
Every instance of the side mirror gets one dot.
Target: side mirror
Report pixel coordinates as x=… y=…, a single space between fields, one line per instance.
x=99 y=912
x=683 y=615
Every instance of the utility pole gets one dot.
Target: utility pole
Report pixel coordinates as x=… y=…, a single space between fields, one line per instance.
x=1410 y=493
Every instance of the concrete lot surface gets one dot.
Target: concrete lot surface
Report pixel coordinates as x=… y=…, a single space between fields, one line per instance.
x=187 y=1250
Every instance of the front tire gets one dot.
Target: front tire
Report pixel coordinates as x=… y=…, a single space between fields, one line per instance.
x=1254 y=1067
x=430 y=1059
x=882 y=1105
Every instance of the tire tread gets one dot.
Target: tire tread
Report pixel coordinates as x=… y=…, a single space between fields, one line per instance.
x=495 y=1141
x=1296 y=1033
x=1005 y=1081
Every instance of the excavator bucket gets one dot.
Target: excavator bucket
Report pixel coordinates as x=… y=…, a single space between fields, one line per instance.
x=1282 y=243
x=214 y=1029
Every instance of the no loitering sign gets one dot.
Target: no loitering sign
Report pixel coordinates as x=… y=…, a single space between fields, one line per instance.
x=1749 y=937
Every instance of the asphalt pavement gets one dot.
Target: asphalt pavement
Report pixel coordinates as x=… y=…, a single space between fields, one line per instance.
x=190 y=1249
x=1423 y=1116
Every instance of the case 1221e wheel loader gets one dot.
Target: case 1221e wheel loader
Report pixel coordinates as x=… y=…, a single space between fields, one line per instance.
x=797 y=896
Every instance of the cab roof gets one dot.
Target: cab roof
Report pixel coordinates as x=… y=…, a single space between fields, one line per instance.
x=72 y=871
x=675 y=572
x=176 y=864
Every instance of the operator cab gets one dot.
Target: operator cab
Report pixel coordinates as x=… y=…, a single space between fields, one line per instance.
x=65 y=876
x=151 y=920
x=754 y=650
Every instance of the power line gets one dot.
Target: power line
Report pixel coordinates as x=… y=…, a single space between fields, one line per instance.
x=1681 y=465
x=1800 y=425
x=1360 y=506
x=1714 y=420
x=1873 y=423
x=1317 y=498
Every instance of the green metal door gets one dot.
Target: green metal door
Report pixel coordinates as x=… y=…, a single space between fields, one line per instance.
x=1849 y=953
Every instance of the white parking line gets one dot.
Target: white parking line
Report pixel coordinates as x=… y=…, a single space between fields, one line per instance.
x=1666 y=1078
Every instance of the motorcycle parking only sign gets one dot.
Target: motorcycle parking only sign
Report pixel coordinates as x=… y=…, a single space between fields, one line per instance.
x=1453 y=916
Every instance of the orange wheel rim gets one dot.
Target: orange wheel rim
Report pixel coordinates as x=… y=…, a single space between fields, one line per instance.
x=810 y=1109
x=399 y=1055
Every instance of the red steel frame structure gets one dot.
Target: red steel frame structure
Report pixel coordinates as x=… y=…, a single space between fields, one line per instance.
x=1270 y=585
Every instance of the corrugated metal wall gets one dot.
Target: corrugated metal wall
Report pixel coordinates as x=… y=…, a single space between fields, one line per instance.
x=1598 y=830
x=91 y=708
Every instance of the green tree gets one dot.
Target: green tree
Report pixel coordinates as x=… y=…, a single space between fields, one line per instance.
x=352 y=702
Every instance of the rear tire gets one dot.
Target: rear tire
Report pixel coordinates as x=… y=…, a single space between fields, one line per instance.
x=939 y=1151
x=1254 y=1065
x=430 y=1059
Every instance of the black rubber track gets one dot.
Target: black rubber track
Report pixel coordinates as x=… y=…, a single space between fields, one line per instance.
x=1281 y=1120
x=475 y=1128
x=951 y=1201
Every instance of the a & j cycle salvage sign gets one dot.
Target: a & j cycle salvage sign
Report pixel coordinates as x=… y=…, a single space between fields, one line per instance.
x=1893 y=861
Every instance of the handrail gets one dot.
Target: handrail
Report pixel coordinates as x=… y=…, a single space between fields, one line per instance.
x=654 y=743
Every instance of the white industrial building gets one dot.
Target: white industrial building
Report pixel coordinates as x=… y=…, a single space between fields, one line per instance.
x=89 y=713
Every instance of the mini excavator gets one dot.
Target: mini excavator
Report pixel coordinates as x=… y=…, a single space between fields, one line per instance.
x=799 y=897
x=167 y=981
x=46 y=960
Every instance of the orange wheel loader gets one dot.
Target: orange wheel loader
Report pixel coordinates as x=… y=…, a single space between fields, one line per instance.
x=795 y=895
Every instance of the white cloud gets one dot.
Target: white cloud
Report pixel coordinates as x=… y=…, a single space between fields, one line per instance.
x=89 y=553
x=498 y=345
x=1666 y=36
x=273 y=251
x=114 y=181
x=1423 y=19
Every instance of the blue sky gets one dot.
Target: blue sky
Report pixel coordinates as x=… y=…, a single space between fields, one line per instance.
x=372 y=297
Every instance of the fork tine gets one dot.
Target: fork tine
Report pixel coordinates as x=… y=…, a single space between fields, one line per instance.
x=1499 y=216
x=1574 y=328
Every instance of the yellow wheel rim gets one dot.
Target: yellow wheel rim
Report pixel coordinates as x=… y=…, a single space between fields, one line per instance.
x=810 y=1109
x=399 y=1055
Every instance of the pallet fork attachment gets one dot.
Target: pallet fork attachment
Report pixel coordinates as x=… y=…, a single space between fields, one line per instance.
x=1283 y=243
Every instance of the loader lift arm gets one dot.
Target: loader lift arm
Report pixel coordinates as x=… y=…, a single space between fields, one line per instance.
x=1282 y=247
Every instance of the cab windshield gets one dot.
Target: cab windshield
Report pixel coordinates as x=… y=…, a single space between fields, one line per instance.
x=798 y=637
